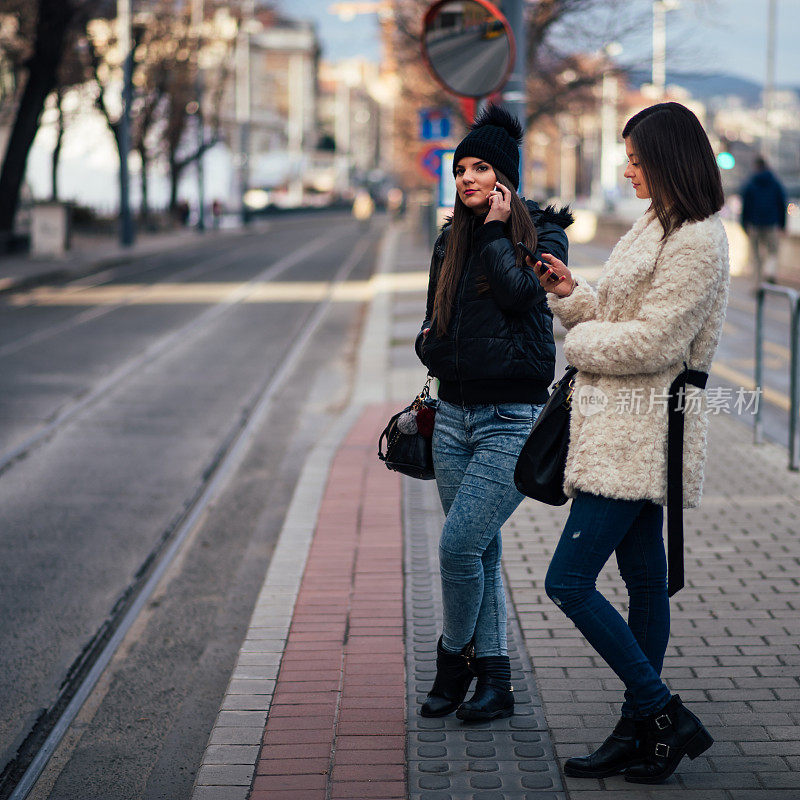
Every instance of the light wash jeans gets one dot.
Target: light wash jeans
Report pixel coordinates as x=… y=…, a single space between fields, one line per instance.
x=596 y=528
x=475 y=450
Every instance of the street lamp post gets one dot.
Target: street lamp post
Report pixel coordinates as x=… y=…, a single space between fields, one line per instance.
x=660 y=8
x=243 y=105
x=126 y=229
x=197 y=28
x=608 y=125
x=769 y=82
x=515 y=94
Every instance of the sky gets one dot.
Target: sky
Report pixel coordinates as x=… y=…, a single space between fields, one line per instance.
x=727 y=36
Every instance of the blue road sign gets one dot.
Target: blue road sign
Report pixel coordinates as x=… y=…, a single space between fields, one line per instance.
x=431 y=160
x=434 y=124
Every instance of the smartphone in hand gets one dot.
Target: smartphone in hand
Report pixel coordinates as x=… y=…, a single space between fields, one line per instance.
x=547 y=273
x=528 y=252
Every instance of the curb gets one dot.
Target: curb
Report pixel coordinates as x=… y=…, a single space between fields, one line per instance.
x=229 y=761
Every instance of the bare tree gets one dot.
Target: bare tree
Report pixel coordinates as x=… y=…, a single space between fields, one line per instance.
x=71 y=73
x=53 y=21
x=167 y=53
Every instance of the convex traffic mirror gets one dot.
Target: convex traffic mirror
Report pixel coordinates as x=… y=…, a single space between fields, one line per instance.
x=469 y=46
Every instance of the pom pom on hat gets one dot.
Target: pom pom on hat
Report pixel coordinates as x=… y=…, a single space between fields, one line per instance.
x=500 y=117
x=495 y=137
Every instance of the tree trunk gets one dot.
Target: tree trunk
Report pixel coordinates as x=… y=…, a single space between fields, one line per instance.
x=51 y=27
x=175 y=171
x=57 y=149
x=144 y=210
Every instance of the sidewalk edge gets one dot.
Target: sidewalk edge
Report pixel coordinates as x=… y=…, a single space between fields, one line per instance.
x=229 y=761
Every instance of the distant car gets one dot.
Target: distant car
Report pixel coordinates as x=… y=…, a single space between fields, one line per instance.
x=493 y=29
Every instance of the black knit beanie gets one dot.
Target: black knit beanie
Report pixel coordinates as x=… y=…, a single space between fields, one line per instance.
x=494 y=137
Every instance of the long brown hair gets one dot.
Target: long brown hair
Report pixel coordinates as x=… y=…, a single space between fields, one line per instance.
x=459 y=242
x=678 y=164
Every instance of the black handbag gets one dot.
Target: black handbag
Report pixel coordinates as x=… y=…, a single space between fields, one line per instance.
x=408 y=437
x=540 y=467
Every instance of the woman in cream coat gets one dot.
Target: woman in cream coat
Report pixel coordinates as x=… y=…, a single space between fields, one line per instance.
x=657 y=312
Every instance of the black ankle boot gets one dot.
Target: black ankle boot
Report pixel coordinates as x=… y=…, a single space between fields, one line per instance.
x=618 y=752
x=493 y=698
x=454 y=674
x=670 y=734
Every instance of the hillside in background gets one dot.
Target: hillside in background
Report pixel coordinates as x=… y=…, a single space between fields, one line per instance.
x=708 y=86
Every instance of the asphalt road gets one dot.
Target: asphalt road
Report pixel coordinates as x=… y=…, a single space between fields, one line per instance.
x=118 y=396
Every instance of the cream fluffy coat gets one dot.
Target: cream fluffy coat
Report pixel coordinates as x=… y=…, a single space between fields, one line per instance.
x=657 y=305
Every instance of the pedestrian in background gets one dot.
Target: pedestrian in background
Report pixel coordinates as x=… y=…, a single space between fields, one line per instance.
x=763 y=218
x=488 y=338
x=656 y=314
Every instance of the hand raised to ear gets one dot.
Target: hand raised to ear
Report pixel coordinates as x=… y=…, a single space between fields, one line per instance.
x=499 y=204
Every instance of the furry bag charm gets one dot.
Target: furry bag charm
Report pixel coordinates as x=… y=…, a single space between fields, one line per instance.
x=408 y=437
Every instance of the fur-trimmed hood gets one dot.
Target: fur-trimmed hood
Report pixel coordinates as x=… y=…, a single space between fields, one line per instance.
x=562 y=217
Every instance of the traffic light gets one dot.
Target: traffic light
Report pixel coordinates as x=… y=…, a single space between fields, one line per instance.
x=725 y=160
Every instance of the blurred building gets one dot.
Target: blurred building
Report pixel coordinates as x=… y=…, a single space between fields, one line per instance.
x=354 y=106
x=304 y=131
x=270 y=109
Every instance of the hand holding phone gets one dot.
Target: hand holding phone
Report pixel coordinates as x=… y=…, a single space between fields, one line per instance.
x=553 y=274
x=499 y=204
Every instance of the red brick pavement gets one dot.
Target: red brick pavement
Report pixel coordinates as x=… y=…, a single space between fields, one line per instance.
x=337 y=724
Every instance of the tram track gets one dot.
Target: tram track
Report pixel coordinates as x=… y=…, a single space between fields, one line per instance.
x=210 y=264
x=161 y=347
x=20 y=775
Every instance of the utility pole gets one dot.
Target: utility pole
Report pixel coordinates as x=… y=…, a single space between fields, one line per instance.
x=515 y=95
x=126 y=229
x=197 y=28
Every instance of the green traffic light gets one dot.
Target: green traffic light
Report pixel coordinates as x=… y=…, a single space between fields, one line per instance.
x=726 y=161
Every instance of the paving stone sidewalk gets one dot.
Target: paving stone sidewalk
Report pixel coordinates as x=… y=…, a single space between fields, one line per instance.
x=734 y=653
x=303 y=716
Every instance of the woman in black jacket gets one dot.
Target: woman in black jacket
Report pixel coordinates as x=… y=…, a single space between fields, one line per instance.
x=488 y=338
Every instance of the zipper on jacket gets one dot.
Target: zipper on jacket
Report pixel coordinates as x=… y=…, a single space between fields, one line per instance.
x=458 y=324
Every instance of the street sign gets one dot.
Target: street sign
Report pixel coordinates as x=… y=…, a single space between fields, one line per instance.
x=434 y=124
x=430 y=160
x=447 y=181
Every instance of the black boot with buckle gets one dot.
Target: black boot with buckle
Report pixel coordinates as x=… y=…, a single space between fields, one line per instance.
x=494 y=697
x=454 y=674
x=618 y=752
x=670 y=734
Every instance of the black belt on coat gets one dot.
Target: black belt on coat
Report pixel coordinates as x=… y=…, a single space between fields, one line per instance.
x=675 y=410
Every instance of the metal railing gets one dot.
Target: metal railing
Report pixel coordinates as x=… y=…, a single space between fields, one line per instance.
x=793 y=296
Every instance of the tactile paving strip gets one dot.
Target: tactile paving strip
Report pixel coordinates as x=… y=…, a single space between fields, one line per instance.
x=510 y=759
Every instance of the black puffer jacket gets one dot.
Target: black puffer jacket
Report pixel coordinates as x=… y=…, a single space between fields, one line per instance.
x=499 y=348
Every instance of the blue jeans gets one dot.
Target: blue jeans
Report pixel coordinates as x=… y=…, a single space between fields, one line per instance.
x=475 y=450
x=596 y=528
